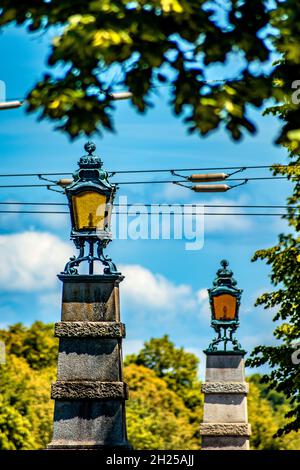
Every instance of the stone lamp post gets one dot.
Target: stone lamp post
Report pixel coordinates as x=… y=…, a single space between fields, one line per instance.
x=89 y=392
x=225 y=422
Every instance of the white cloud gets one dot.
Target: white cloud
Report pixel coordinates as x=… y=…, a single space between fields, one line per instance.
x=226 y=223
x=203 y=300
x=173 y=193
x=154 y=291
x=31 y=260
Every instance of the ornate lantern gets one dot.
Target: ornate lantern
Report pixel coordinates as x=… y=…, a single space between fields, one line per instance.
x=224 y=303
x=90 y=196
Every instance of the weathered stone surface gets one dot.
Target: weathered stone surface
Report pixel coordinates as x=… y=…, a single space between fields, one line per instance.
x=89 y=393
x=88 y=424
x=94 y=329
x=225 y=368
x=225 y=408
x=225 y=443
x=90 y=298
x=225 y=387
x=225 y=429
x=91 y=390
x=89 y=359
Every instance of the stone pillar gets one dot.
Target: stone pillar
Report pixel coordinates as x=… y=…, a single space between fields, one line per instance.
x=89 y=393
x=225 y=422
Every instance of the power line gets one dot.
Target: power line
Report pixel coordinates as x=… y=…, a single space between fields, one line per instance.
x=161 y=213
x=146 y=182
x=156 y=170
x=204 y=169
x=250 y=206
x=185 y=181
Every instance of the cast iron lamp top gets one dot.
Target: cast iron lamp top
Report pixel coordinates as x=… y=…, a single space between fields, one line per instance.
x=90 y=196
x=225 y=300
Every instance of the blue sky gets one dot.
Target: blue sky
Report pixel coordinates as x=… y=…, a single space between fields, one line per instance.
x=164 y=289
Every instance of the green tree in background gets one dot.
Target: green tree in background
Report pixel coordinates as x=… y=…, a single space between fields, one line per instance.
x=170 y=42
x=284 y=259
x=179 y=369
x=36 y=343
x=160 y=413
x=157 y=417
x=26 y=411
x=146 y=43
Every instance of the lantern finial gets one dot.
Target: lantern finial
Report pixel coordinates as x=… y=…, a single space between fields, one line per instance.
x=90 y=147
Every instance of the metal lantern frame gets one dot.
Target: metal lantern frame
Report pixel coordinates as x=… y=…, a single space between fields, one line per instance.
x=224 y=284
x=91 y=177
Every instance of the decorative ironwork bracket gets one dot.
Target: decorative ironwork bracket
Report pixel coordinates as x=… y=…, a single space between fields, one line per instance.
x=72 y=265
x=224 y=338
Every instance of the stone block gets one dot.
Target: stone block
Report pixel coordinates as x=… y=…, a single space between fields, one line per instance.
x=88 y=424
x=225 y=443
x=225 y=368
x=87 y=298
x=89 y=359
x=225 y=408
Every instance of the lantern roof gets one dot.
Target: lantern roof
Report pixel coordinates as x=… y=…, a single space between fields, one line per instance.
x=224 y=276
x=90 y=171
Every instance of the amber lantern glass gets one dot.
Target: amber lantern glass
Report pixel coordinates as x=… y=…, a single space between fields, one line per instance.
x=225 y=307
x=89 y=210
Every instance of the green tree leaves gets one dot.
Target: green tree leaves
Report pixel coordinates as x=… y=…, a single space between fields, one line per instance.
x=283 y=259
x=144 y=39
x=157 y=417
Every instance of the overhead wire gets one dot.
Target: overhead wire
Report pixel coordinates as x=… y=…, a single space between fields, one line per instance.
x=161 y=213
x=156 y=170
x=163 y=204
x=146 y=182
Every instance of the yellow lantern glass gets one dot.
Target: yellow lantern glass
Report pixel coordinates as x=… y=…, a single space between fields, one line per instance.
x=224 y=307
x=89 y=209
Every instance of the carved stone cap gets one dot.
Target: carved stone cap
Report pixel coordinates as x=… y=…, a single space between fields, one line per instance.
x=225 y=387
x=77 y=329
x=225 y=429
x=92 y=390
x=84 y=278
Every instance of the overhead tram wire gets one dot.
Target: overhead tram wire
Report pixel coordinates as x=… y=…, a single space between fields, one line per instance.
x=146 y=182
x=161 y=213
x=161 y=170
x=163 y=204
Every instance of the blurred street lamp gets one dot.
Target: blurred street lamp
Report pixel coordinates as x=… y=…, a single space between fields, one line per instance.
x=90 y=196
x=224 y=303
x=10 y=104
x=114 y=96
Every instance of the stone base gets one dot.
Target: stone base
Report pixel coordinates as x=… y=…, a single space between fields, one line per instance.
x=225 y=421
x=225 y=443
x=89 y=424
x=87 y=446
x=89 y=393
